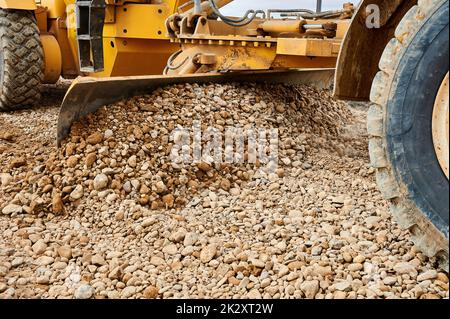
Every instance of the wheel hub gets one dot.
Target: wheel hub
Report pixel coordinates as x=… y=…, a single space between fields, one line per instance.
x=441 y=125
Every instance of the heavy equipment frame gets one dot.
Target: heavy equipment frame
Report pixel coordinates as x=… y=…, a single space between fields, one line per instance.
x=130 y=42
x=113 y=38
x=261 y=43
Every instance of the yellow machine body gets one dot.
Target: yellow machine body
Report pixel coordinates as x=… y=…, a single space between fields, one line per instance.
x=135 y=41
x=134 y=36
x=18 y=4
x=264 y=43
x=214 y=46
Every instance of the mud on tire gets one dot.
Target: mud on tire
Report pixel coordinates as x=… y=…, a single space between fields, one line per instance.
x=21 y=60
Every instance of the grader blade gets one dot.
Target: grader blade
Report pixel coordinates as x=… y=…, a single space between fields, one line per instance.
x=87 y=95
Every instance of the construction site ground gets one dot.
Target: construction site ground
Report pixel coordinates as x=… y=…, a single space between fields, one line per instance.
x=109 y=216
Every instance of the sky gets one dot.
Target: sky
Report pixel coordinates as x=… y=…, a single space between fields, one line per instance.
x=239 y=7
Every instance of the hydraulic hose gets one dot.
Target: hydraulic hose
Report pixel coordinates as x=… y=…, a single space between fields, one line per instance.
x=172 y=58
x=236 y=22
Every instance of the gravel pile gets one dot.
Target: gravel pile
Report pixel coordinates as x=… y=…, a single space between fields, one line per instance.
x=109 y=215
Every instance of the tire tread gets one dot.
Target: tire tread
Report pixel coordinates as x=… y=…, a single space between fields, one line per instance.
x=23 y=66
x=424 y=234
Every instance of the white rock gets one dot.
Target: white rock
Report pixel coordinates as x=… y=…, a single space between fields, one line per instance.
x=310 y=288
x=343 y=286
x=127 y=187
x=39 y=247
x=44 y=261
x=190 y=239
x=84 y=292
x=283 y=270
x=295 y=214
x=136 y=184
x=285 y=232
x=428 y=275
x=12 y=209
x=18 y=261
x=77 y=193
x=178 y=236
x=157 y=261
x=390 y=280
x=208 y=253
x=403 y=268
x=5 y=179
x=329 y=229
x=160 y=187
x=108 y=134
x=316 y=250
x=257 y=263
x=100 y=182
x=170 y=249
x=128 y=292
x=98 y=260
x=254 y=294
x=187 y=251
x=281 y=246
x=111 y=198
x=322 y=270
x=235 y=191
x=266 y=282
x=373 y=221
x=132 y=161
x=148 y=222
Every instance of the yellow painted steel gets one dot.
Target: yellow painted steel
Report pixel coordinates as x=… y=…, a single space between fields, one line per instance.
x=127 y=57
x=262 y=44
x=135 y=36
x=309 y=47
x=69 y=57
x=236 y=55
x=278 y=26
x=52 y=58
x=207 y=9
x=69 y=27
x=135 y=41
x=55 y=8
x=228 y=58
x=141 y=21
x=18 y=4
x=136 y=50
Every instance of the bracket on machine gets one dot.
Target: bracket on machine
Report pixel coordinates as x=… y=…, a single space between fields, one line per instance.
x=90 y=21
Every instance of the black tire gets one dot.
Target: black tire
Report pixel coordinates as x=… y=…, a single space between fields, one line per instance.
x=21 y=60
x=409 y=175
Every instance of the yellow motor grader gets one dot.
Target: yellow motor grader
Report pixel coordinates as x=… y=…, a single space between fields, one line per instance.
x=393 y=53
